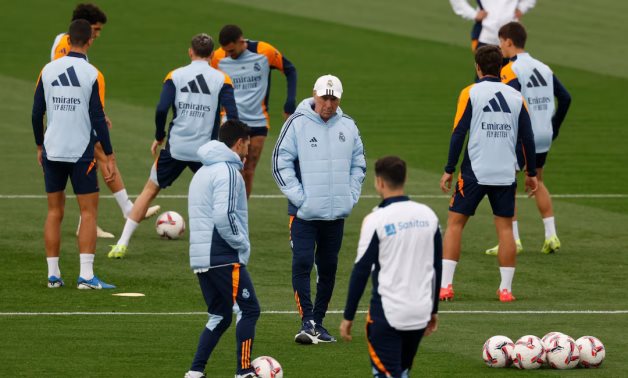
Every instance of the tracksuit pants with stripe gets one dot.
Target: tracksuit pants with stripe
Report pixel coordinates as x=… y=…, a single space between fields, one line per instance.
x=314 y=242
x=226 y=289
x=391 y=351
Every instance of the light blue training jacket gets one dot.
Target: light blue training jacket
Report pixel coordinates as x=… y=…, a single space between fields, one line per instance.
x=217 y=206
x=320 y=166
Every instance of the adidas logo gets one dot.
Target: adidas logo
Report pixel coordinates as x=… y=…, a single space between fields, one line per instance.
x=497 y=104
x=313 y=140
x=192 y=87
x=536 y=80
x=67 y=80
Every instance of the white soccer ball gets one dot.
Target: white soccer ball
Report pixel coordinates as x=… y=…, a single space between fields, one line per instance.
x=497 y=351
x=267 y=367
x=170 y=225
x=528 y=353
x=562 y=353
x=549 y=336
x=592 y=351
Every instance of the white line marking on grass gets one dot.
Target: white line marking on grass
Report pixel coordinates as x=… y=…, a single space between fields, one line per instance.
x=290 y=312
x=280 y=196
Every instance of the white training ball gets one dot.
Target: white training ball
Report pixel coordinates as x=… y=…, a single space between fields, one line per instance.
x=562 y=353
x=528 y=353
x=267 y=367
x=592 y=351
x=497 y=351
x=170 y=225
x=549 y=336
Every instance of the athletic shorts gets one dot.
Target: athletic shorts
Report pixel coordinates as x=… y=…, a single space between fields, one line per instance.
x=469 y=194
x=82 y=175
x=167 y=169
x=258 y=131
x=540 y=159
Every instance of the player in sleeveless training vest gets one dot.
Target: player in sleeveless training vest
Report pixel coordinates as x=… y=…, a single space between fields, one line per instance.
x=220 y=247
x=70 y=91
x=60 y=48
x=249 y=64
x=195 y=93
x=539 y=87
x=400 y=246
x=496 y=119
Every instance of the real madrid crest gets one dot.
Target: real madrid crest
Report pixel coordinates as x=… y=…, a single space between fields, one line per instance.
x=330 y=83
x=341 y=137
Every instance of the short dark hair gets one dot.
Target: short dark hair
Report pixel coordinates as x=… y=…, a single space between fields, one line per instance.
x=80 y=32
x=233 y=130
x=490 y=59
x=229 y=34
x=89 y=12
x=391 y=169
x=515 y=32
x=202 y=45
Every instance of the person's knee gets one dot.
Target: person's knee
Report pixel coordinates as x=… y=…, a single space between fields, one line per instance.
x=302 y=264
x=56 y=213
x=220 y=321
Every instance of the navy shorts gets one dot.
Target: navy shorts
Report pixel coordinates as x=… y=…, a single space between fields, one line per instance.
x=167 y=169
x=258 y=131
x=540 y=159
x=469 y=194
x=391 y=351
x=82 y=174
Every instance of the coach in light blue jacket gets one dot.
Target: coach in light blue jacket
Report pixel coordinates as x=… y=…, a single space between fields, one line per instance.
x=220 y=248
x=319 y=164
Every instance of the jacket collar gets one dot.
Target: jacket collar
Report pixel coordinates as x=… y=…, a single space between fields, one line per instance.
x=391 y=200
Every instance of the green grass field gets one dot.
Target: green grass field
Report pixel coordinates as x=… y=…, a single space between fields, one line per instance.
x=402 y=66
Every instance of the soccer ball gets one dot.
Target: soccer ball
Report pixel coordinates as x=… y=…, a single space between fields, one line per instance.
x=562 y=353
x=170 y=225
x=548 y=337
x=497 y=351
x=267 y=367
x=592 y=351
x=528 y=353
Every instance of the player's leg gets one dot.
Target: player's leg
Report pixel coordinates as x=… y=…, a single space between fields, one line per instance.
x=303 y=240
x=410 y=341
x=384 y=345
x=55 y=178
x=140 y=206
x=328 y=243
x=117 y=187
x=544 y=204
x=502 y=200
x=248 y=311
x=464 y=201
x=85 y=183
x=163 y=173
x=214 y=286
x=258 y=137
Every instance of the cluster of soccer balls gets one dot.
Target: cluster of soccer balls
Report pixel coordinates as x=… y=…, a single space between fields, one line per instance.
x=558 y=350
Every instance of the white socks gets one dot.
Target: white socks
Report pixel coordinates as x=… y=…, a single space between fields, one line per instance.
x=122 y=198
x=53 y=267
x=515 y=230
x=507 y=274
x=449 y=268
x=87 y=266
x=550 y=227
x=129 y=228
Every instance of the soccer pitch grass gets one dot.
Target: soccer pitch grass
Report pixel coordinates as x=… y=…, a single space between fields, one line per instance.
x=402 y=92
